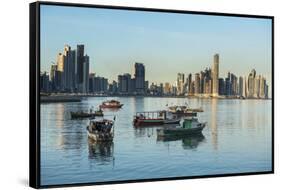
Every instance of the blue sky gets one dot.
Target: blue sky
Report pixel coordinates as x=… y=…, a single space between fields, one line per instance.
x=167 y=43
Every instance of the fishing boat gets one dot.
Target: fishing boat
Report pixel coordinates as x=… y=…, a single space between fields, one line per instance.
x=183 y=111
x=195 y=109
x=153 y=118
x=111 y=104
x=91 y=114
x=101 y=130
x=190 y=126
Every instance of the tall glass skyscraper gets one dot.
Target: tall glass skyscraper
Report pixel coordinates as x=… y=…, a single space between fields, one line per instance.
x=215 y=76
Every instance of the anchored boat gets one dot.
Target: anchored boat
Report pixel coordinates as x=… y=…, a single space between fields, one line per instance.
x=190 y=126
x=153 y=118
x=101 y=130
x=111 y=104
x=81 y=114
x=184 y=111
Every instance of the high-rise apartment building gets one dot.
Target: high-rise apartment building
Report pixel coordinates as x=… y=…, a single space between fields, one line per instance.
x=215 y=75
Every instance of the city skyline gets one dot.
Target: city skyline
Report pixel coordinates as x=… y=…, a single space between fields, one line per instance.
x=71 y=74
x=130 y=69
x=185 y=42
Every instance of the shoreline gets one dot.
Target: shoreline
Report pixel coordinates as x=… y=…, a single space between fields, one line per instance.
x=56 y=98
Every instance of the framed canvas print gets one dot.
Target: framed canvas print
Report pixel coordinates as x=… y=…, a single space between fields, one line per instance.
x=126 y=94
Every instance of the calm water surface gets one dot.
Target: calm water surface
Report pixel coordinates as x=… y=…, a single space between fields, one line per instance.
x=237 y=138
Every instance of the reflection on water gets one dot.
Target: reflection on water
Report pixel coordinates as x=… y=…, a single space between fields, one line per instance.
x=188 y=142
x=237 y=138
x=214 y=126
x=101 y=152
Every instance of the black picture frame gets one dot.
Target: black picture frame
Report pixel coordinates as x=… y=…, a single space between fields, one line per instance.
x=34 y=91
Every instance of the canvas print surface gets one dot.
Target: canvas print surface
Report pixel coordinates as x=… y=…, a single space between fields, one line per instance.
x=130 y=95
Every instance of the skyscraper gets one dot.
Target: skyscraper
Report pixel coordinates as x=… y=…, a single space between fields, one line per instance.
x=262 y=87
x=68 y=68
x=139 y=74
x=60 y=67
x=86 y=68
x=251 y=84
x=197 y=84
x=228 y=85
x=240 y=86
x=207 y=81
x=221 y=86
x=124 y=83
x=167 y=88
x=202 y=76
x=257 y=87
x=79 y=67
x=44 y=82
x=53 y=74
x=189 y=83
x=215 y=75
x=180 y=84
x=245 y=88
x=233 y=84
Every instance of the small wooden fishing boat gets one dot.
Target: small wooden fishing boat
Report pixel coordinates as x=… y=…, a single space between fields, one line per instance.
x=113 y=104
x=190 y=126
x=195 y=109
x=153 y=118
x=81 y=114
x=183 y=111
x=101 y=130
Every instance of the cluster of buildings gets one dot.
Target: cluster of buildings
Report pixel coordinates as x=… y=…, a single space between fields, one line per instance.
x=70 y=74
x=126 y=84
x=207 y=83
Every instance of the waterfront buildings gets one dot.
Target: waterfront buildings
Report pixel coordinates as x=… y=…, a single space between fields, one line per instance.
x=44 y=82
x=70 y=74
x=125 y=83
x=97 y=85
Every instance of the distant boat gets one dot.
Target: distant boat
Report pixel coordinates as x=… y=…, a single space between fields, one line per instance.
x=111 y=104
x=190 y=126
x=153 y=118
x=184 y=111
x=101 y=130
x=81 y=114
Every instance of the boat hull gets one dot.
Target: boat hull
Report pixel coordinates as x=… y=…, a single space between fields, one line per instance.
x=172 y=121
x=154 y=122
x=111 y=106
x=81 y=116
x=150 y=122
x=85 y=115
x=180 y=131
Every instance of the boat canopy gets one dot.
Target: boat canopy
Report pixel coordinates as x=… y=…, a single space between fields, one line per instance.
x=151 y=114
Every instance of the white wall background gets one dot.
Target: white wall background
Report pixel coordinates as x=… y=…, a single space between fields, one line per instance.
x=14 y=82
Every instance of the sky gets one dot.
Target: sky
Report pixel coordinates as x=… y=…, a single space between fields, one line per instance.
x=167 y=43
